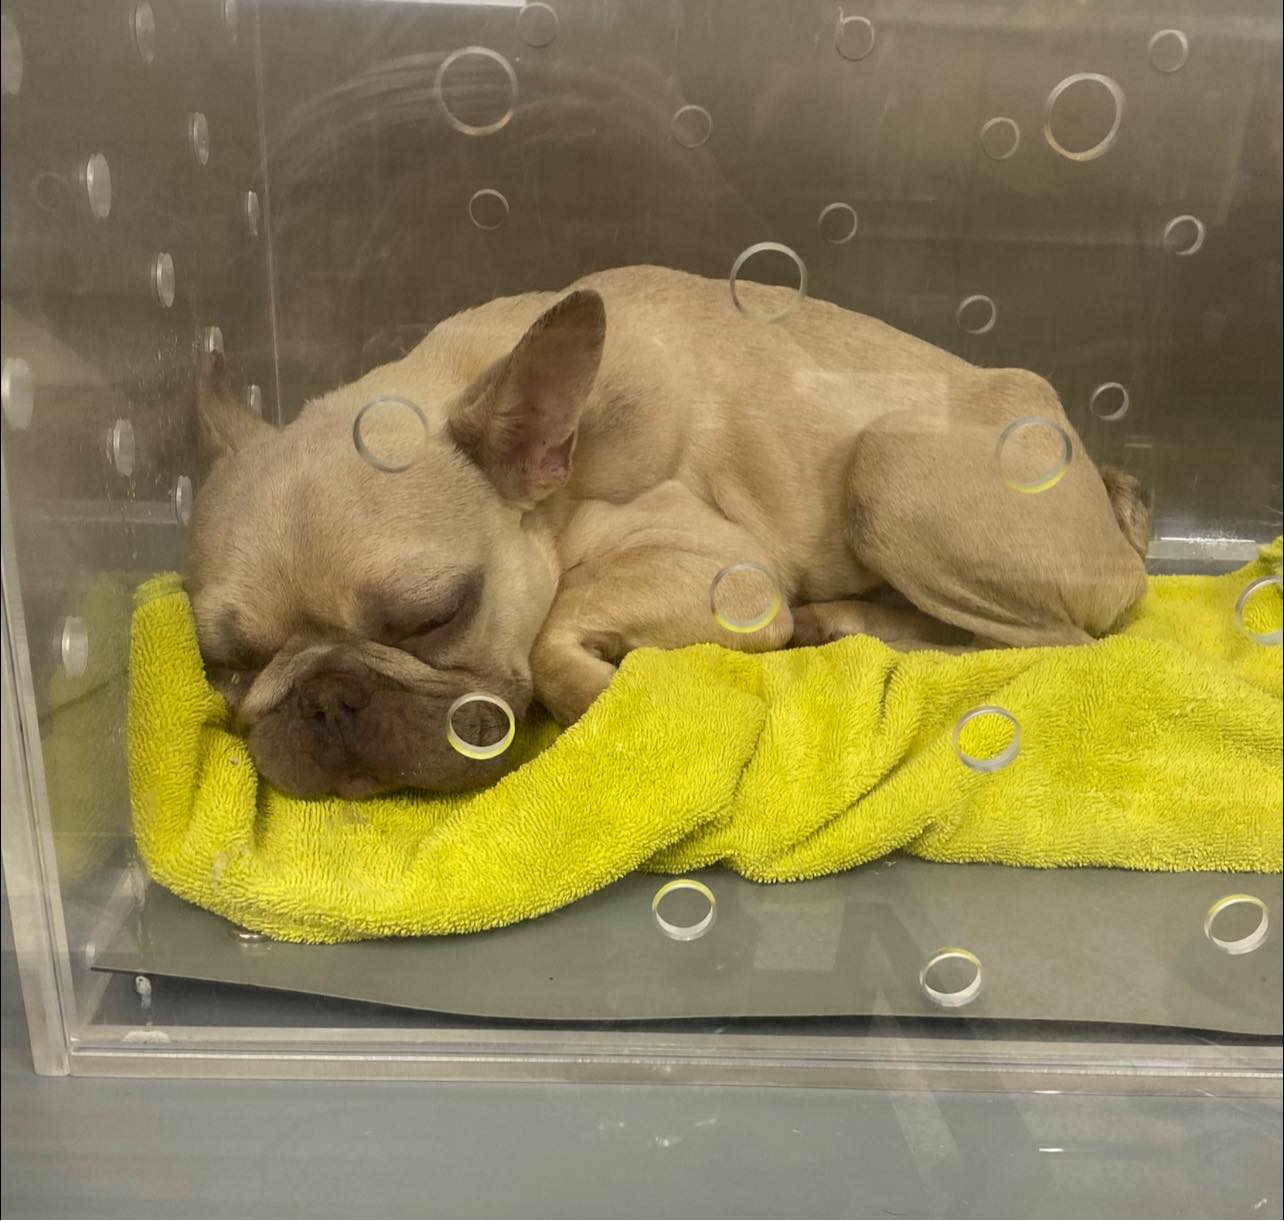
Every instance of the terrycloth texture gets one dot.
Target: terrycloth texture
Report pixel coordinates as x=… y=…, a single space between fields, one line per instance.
x=1159 y=748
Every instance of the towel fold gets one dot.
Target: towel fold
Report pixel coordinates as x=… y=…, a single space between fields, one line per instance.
x=1158 y=748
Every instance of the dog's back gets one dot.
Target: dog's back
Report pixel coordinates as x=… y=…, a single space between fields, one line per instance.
x=758 y=419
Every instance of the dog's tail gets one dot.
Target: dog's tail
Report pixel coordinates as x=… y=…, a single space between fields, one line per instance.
x=1129 y=501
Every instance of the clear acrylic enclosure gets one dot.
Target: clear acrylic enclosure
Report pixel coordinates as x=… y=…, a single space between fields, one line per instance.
x=309 y=187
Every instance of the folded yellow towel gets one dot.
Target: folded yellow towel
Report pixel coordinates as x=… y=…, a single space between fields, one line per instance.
x=1159 y=748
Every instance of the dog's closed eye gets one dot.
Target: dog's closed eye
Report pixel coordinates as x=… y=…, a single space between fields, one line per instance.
x=232 y=660
x=424 y=630
x=425 y=638
x=231 y=683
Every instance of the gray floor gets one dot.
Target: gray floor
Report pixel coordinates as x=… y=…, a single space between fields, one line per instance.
x=1087 y=946
x=90 y=1148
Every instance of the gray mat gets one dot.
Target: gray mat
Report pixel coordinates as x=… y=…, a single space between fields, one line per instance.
x=1071 y=945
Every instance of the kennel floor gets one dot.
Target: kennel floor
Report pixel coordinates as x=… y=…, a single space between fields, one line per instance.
x=1069 y=946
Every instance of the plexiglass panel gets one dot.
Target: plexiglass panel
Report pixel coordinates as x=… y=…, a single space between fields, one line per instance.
x=894 y=344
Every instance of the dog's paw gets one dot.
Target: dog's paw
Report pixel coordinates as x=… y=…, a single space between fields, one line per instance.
x=564 y=712
x=566 y=703
x=812 y=626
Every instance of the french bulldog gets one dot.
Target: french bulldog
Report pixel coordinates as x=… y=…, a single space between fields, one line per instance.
x=551 y=480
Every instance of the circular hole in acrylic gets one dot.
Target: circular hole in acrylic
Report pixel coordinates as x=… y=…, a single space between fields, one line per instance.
x=838 y=223
x=11 y=65
x=1238 y=924
x=1083 y=115
x=73 y=647
x=1033 y=455
x=488 y=209
x=254 y=398
x=854 y=37
x=1259 y=609
x=95 y=182
x=122 y=447
x=951 y=978
x=477 y=90
x=181 y=498
x=142 y=26
x=691 y=909
x=162 y=279
x=136 y=877
x=389 y=433
x=480 y=726
x=211 y=339
x=1109 y=401
x=198 y=137
x=773 y=263
x=251 y=212
x=977 y=314
x=1168 y=51
x=744 y=598
x=987 y=738
x=247 y=936
x=1184 y=236
x=231 y=19
x=49 y=191
x=17 y=392
x=691 y=126
x=999 y=137
x=537 y=24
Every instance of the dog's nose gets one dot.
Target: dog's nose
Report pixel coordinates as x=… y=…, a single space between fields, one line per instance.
x=332 y=697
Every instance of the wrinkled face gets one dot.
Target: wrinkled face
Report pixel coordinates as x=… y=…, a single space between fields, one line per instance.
x=343 y=608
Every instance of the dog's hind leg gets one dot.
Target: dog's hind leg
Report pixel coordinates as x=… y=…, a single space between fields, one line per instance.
x=931 y=513
x=902 y=627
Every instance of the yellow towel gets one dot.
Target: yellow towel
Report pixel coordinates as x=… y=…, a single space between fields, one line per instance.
x=1159 y=748
x=81 y=736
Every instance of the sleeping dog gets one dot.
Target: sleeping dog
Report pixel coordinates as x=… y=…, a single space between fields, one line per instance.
x=551 y=480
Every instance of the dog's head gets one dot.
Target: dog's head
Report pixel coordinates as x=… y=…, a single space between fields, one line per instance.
x=343 y=605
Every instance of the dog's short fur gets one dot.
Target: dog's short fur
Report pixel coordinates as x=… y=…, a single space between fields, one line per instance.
x=592 y=461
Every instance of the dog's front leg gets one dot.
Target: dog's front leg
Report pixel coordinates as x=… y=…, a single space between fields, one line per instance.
x=569 y=673
x=642 y=597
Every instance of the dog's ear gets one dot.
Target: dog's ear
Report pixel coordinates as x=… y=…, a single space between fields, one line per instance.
x=518 y=420
x=225 y=425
